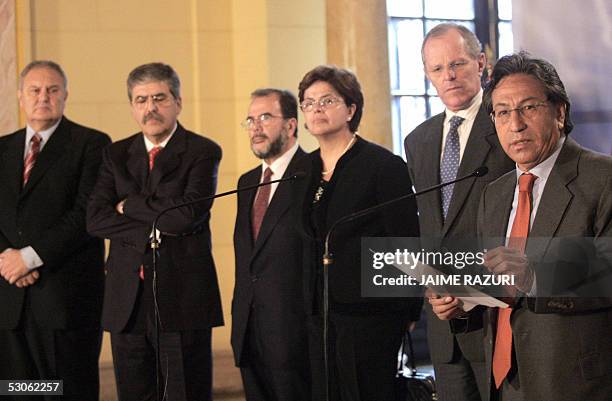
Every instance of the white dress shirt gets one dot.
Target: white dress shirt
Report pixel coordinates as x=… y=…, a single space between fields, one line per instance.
x=542 y=171
x=28 y=254
x=469 y=116
x=278 y=167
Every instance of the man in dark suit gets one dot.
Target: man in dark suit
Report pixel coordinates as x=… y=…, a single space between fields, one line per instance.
x=452 y=144
x=548 y=345
x=162 y=166
x=269 y=335
x=52 y=271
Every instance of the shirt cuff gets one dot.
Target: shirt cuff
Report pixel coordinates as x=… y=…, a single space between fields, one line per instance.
x=30 y=258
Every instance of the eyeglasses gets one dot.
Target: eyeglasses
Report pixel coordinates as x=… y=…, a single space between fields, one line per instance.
x=327 y=102
x=264 y=119
x=528 y=111
x=159 y=100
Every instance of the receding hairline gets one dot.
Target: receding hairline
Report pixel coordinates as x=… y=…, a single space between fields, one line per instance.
x=43 y=65
x=471 y=43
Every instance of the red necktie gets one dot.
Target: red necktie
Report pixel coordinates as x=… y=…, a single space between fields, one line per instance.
x=31 y=157
x=502 y=354
x=261 y=204
x=152 y=155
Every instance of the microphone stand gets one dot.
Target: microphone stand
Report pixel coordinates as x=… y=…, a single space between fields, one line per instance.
x=328 y=257
x=155 y=242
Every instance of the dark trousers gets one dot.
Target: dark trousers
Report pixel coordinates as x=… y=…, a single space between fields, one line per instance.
x=461 y=379
x=268 y=383
x=33 y=352
x=363 y=353
x=185 y=358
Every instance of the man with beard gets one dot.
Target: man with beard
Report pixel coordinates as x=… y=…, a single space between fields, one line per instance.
x=162 y=166
x=268 y=320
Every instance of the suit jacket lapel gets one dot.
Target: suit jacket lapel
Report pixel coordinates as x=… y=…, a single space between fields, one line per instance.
x=496 y=222
x=556 y=196
x=431 y=176
x=13 y=162
x=278 y=206
x=476 y=150
x=245 y=208
x=52 y=151
x=137 y=162
x=169 y=158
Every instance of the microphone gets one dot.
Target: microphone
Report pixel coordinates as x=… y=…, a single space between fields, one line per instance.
x=328 y=257
x=329 y=260
x=156 y=237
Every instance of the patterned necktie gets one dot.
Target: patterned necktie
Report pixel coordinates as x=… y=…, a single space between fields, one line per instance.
x=152 y=155
x=450 y=162
x=31 y=157
x=502 y=354
x=261 y=204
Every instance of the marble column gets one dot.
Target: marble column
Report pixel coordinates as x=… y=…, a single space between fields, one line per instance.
x=8 y=75
x=357 y=40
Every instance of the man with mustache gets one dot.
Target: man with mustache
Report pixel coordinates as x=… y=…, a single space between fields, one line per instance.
x=449 y=145
x=159 y=167
x=52 y=272
x=268 y=321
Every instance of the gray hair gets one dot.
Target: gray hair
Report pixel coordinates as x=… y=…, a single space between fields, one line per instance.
x=52 y=65
x=472 y=45
x=156 y=72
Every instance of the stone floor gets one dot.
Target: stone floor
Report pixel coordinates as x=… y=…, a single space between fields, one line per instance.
x=226 y=381
x=227 y=385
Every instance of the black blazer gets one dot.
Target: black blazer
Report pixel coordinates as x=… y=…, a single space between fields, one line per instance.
x=269 y=276
x=365 y=176
x=49 y=215
x=423 y=149
x=186 y=169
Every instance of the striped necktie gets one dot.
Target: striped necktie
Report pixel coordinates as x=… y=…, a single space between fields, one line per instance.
x=31 y=157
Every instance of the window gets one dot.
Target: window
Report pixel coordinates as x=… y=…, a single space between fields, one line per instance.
x=414 y=99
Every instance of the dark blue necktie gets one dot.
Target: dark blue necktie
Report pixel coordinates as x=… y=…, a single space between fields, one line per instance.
x=450 y=162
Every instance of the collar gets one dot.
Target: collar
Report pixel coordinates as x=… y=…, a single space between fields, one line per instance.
x=45 y=134
x=469 y=113
x=543 y=169
x=279 y=165
x=150 y=145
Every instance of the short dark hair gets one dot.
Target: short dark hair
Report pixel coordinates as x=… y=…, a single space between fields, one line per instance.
x=472 y=44
x=157 y=72
x=541 y=70
x=343 y=81
x=286 y=98
x=52 y=65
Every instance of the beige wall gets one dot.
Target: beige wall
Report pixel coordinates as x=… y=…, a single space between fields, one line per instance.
x=8 y=74
x=221 y=49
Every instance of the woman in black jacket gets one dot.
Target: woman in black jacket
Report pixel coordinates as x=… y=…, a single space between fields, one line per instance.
x=347 y=174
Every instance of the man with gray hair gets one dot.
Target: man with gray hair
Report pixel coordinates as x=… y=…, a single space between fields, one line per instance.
x=52 y=271
x=449 y=145
x=161 y=166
